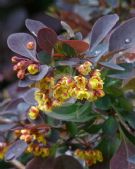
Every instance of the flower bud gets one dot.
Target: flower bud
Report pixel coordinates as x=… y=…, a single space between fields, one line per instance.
x=21 y=64
x=33 y=69
x=14 y=59
x=21 y=74
x=30 y=45
x=15 y=68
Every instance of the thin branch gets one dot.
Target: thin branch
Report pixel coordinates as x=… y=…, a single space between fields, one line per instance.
x=18 y=164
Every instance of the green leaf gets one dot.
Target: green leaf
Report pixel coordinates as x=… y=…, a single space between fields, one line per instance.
x=110 y=126
x=129 y=135
x=72 y=128
x=94 y=129
x=75 y=113
x=109 y=146
x=44 y=58
x=103 y=103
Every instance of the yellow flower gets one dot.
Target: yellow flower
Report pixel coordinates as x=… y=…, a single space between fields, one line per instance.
x=80 y=81
x=3 y=149
x=85 y=68
x=45 y=152
x=33 y=112
x=95 y=83
x=82 y=94
x=60 y=92
x=92 y=96
x=33 y=69
x=96 y=73
x=46 y=83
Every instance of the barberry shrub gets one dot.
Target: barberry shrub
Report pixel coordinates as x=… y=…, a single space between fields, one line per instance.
x=73 y=110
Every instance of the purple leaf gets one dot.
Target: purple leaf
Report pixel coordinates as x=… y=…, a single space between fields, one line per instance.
x=123 y=36
x=43 y=71
x=67 y=162
x=6 y=127
x=113 y=3
x=101 y=28
x=112 y=63
x=13 y=104
x=40 y=163
x=47 y=38
x=15 y=150
x=120 y=159
x=34 y=26
x=126 y=77
x=18 y=42
x=25 y=82
x=29 y=96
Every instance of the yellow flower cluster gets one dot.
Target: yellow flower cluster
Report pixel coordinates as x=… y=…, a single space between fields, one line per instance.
x=3 y=149
x=36 y=141
x=91 y=157
x=52 y=94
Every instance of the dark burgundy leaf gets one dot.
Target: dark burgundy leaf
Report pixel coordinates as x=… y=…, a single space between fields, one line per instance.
x=79 y=45
x=40 y=163
x=101 y=28
x=47 y=38
x=67 y=162
x=29 y=96
x=17 y=42
x=43 y=71
x=34 y=26
x=25 y=82
x=123 y=36
x=15 y=150
x=120 y=159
